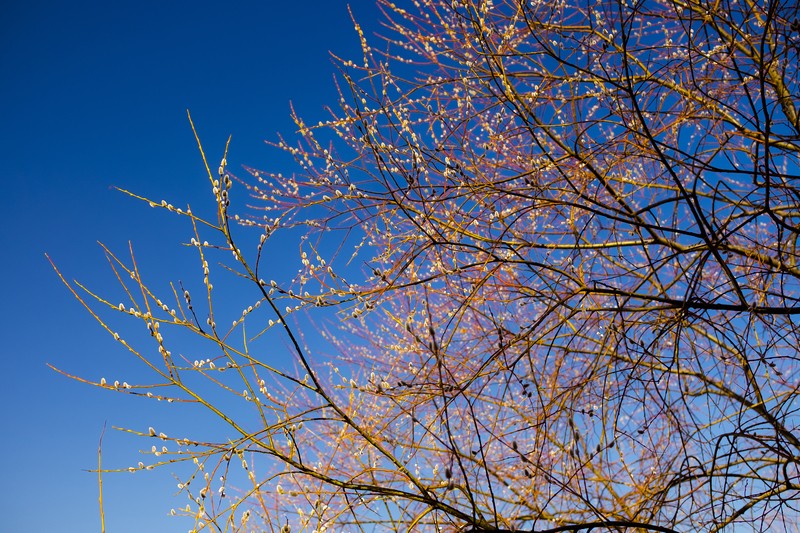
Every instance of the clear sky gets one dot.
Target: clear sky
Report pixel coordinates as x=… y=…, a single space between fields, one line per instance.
x=94 y=95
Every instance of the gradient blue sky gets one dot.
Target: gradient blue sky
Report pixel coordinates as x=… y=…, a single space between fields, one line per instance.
x=94 y=95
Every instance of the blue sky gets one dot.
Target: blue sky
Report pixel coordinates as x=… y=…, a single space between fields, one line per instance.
x=94 y=95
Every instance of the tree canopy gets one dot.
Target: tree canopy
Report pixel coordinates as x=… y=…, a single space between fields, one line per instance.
x=561 y=242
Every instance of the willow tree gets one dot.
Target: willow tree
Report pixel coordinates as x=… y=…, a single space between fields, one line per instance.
x=559 y=241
